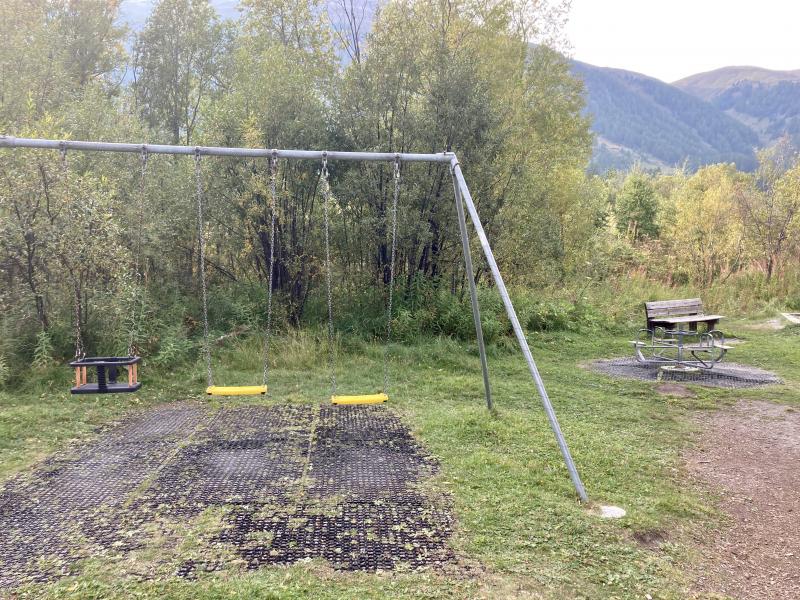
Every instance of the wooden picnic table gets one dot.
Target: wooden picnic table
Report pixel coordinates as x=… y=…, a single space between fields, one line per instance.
x=669 y=342
x=711 y=321
x=671 y=314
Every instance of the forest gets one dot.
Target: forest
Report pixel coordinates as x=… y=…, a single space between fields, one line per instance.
x=89 y=240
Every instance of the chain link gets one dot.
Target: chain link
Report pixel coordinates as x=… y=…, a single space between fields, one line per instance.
x=326 y=196
x=62 y=150
x=273 y=201
x=138 y=293
x=79 y=349
x=80 y=352
x=391 y=275
x=202 y=242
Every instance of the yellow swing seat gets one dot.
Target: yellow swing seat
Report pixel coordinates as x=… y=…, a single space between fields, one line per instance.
x=362 y=399
x=236 y=390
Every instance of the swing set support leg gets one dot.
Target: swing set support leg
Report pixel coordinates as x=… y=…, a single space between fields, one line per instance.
x=473 y=292
x=520 y=335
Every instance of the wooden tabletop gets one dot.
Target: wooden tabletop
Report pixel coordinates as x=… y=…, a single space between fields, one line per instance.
x=686 y=319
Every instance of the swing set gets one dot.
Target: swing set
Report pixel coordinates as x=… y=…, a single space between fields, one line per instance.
x=108 y=367
x=252 y=390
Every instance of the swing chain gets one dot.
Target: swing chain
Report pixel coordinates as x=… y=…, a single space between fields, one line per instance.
x=79 y=349
x=202 y=249
x=391 y=274
x=62 y=150
x=273 y=194
x=138 y=295
x=326 y=196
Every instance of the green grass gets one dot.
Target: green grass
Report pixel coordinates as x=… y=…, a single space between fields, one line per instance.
x=521 y=531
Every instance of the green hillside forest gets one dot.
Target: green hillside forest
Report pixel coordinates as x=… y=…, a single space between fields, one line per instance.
x=720 y=116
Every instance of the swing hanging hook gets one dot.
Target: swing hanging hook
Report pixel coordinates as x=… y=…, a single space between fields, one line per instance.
x=62 y=149
x=325 y=164
x=397 y=165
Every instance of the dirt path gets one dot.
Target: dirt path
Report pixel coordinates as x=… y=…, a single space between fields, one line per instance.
x=750 y=455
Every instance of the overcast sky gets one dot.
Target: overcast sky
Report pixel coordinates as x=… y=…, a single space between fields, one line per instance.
x=670 y=39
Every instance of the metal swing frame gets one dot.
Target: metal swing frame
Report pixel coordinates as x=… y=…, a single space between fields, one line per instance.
x=463 y=198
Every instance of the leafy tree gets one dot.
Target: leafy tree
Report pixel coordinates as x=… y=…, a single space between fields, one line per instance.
x=707 y=237
x=50 y=51
x=637 y=207
x=770 y=202
x=89 y=40
x=179 y=63
x=460 y=76
x=278 y=98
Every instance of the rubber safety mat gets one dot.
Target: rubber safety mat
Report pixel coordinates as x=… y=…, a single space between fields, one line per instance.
x=184 y=489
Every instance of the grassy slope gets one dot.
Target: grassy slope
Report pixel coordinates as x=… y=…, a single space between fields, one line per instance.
x=521 y=531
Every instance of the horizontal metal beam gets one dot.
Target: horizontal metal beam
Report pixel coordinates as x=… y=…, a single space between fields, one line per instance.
x=7 y=141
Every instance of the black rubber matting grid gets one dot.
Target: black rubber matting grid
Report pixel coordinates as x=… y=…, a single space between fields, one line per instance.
x=56 y=514
x=364 y=453
x=351 y=535
x=294 y=482
x=723 y=375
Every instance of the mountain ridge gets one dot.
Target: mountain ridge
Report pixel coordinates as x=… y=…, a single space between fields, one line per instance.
x=722 y=115
x=708 y=83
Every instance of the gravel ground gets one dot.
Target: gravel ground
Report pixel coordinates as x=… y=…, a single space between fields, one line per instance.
x=750 y=456
x=725 y=375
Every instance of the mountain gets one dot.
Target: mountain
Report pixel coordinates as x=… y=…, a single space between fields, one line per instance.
x=711 y=83
x=637 y=118
x=766 y=101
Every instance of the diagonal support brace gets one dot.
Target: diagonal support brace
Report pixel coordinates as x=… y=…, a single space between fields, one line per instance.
x=520 y=335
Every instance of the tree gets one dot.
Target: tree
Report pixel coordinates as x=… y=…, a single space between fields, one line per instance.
x=179 y=61
x=279 y=97
x=89 y=40
x=707 y=237
x=637 y=207
x=50 y=51
x=769 y=202
x=461 y=76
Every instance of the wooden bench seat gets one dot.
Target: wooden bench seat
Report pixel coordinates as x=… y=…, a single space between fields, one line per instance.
x=669 y=314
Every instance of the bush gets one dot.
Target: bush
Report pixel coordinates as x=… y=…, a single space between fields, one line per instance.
x=446 y=314
x=174 y=348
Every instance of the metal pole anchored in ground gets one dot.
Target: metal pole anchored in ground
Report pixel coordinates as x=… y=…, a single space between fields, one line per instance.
x=523 y=342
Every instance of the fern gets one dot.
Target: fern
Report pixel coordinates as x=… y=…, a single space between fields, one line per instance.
x=5 y=372
x=43 y=353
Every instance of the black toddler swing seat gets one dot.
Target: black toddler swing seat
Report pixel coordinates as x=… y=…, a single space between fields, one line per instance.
x=108 y=368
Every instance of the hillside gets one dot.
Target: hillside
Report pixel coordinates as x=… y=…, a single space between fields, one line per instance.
x=766 y=101
x=639 y=118
x=711 y=83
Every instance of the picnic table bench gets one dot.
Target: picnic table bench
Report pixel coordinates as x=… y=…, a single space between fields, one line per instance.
x=671 y=314
x=667 y=341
